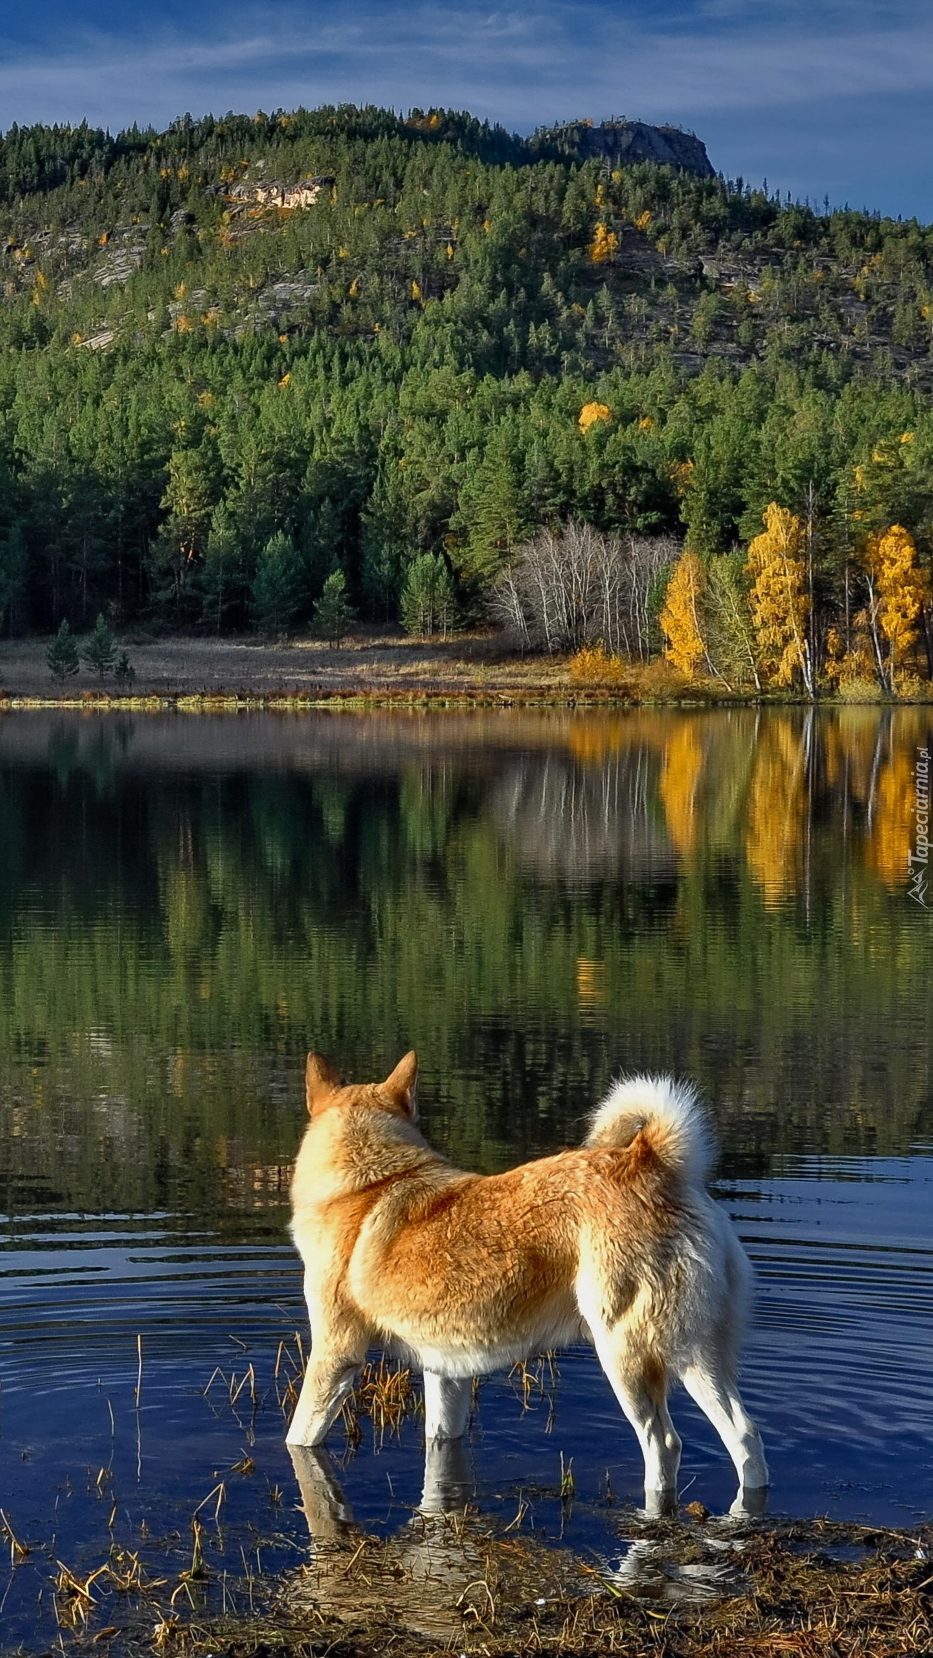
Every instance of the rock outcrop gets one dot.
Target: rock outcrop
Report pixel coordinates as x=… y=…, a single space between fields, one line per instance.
x=275 y=193
x=628 y=142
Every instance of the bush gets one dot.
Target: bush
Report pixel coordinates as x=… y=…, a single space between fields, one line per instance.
x=660 y=682
x=860 y=690
x=593 y=665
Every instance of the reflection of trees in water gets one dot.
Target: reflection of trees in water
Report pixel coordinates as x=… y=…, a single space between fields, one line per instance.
x=177 y=939
x=584 y=822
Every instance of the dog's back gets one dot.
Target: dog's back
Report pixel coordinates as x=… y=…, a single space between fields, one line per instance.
x=616 y=1241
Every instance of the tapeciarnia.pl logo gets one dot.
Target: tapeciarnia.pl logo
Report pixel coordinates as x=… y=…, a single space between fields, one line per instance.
x=918 y=859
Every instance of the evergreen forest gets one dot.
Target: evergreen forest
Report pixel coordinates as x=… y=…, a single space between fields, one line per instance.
x=247 y=357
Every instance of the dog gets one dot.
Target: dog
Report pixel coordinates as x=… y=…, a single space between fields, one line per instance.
x=616 y=1242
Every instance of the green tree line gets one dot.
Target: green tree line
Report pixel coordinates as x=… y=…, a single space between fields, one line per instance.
x=211 y=402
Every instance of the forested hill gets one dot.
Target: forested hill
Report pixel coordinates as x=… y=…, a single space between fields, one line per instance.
x=240 y=354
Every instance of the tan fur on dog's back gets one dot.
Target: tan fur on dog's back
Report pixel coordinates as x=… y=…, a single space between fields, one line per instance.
x=615 y=1240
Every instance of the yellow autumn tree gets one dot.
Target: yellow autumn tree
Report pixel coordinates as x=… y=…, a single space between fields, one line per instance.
x=898 y=592
x=680 y=619
x=678 y=785
x=604 y=246
x=776 y=813
x=780 y=603
x=590 y=413
x=890 y=840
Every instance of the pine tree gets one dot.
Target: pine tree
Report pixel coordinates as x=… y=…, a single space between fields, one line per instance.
x=100 y=651
x=279 y=585
x=62 y=654
x=495 y=506
x=333 y=613
x=386 y=540
x=223 y=576
x=428 y=601
x=187 y=501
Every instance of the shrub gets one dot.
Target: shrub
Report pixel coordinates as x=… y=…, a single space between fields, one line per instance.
x=860 y=690
x=593 y=665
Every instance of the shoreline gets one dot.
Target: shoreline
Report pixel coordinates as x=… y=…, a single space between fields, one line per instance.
x=376 y=669
x=428 y=699
x=702 y=1585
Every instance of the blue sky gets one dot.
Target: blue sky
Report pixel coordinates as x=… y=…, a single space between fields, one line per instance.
x=818 y=96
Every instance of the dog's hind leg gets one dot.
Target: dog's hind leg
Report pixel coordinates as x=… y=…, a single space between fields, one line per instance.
x=714 y=1389
x=327 y=1381
x=640 y=1385
x=446 y=1406
x=448 y=1485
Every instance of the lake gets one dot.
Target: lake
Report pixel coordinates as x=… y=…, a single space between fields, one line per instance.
x=536 y=901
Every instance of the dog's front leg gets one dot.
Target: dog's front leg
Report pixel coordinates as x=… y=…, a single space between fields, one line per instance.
x=328 y=1379
x=326 y=1510
x=446 y=1406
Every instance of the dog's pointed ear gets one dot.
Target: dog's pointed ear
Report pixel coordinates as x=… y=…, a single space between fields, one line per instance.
x=400 y=1086
x=320 y=1080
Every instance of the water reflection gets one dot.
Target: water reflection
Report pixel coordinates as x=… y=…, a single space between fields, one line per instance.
x=184 y=904
x=432 y=1572
x=444 y=1565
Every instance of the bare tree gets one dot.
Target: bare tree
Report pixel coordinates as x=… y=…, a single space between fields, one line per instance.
x=573 y=585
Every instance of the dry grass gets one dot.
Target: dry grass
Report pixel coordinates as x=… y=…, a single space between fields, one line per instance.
x=384 y=1394
x=453 y=1586
x=371 y=667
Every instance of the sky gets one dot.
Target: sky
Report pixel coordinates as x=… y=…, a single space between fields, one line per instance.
x=819 y=97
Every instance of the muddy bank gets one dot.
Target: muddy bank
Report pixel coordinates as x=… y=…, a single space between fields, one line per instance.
x=697 y=1587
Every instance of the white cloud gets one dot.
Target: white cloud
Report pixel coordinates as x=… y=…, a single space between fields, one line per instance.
x=518 y=66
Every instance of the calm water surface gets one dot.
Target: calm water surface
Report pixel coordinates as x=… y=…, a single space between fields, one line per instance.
x=535 y=902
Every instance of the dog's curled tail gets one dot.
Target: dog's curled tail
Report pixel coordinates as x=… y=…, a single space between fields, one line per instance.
x=667 y=1114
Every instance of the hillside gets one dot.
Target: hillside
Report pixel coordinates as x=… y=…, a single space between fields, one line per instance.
x=242 y=353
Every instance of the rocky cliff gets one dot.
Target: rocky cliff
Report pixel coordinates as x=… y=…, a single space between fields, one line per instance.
x=629 y=141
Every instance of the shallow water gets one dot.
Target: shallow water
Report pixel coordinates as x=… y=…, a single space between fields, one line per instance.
x=534 y=901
